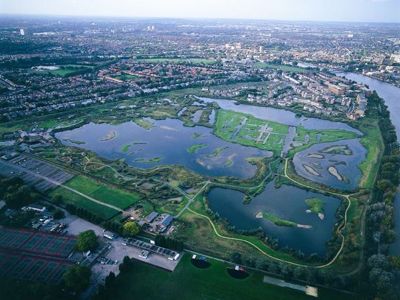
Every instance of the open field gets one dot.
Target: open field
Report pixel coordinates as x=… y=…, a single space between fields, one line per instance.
x=103 y=193
x=250 y=131
x=100 y=192
x=190 y=282
x=372 y=141
x=68 y=70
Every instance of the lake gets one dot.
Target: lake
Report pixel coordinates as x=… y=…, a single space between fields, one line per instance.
x=280 y=115
x=287 y=202
x=334 y=164
x=168 y=142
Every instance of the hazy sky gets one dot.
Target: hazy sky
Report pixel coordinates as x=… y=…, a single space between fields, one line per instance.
x=321 y=10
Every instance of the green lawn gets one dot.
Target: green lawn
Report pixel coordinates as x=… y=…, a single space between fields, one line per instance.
x=81 y=202
x=68 y=69
x=372 y=141
x=98 y=191
x=189 y=282
x=249 y=134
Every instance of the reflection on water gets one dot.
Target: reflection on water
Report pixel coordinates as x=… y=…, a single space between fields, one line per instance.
x=167 y=143
x=287 y=202
x=391 y=95
x=334 y=164
x=281 y=116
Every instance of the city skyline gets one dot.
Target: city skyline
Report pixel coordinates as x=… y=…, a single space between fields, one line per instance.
x=285 y=10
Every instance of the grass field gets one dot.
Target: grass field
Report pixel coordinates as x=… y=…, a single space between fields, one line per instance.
x=67 y=70
x=189 y=282
x=284 y=68
x=247 y=130
x=100 y=192
x=267 y=135
x=372 y=141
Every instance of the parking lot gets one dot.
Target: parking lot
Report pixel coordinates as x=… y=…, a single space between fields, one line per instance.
x=119 y=249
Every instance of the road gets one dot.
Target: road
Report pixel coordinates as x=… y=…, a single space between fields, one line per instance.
x=191 y=199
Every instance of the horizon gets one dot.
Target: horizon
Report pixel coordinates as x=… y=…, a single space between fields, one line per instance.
x=94 y=17
x=341 y=11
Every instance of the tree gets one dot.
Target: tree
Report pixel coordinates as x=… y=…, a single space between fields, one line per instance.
x=87 y=240
x=58 y=214
x=130 y=229
x=77 y=278
x=58 y=199
x=19 y=197
x=126 y=264
x=110 y=279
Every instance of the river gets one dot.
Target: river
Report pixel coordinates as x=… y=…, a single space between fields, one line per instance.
x=391 y=95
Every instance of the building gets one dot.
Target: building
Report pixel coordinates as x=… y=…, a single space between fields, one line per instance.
x=166 y=222
x=34 y=207
x=150 y=218
x=109 y=235
x=335 y=89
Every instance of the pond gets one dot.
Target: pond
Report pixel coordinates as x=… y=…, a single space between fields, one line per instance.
x=334 y=164
x=167 y=142
x=286 y=202
x=280 y=115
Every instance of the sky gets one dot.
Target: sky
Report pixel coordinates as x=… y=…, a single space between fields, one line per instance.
x=296 y=10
